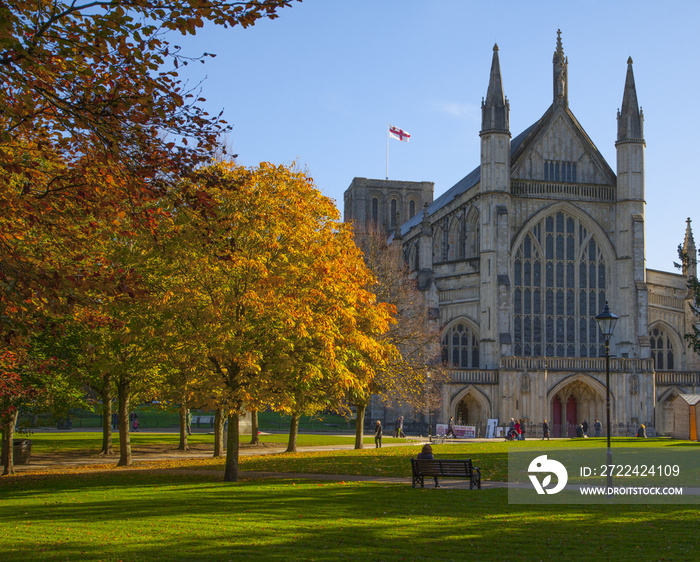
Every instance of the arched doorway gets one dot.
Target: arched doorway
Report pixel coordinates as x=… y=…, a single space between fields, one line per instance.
x=470 y=406
x=571 y=416
x=556 y=417
x=469 y=411
x=574 y=399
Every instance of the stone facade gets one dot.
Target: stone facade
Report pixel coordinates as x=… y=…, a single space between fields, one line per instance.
x=522 y=254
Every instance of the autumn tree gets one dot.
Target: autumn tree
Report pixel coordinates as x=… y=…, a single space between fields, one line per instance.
x=414 y=335
x=95 y=124
x=276 y=283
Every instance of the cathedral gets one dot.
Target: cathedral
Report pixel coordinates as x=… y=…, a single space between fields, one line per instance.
x=519 y=257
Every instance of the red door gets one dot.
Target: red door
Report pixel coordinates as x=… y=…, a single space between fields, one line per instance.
x=556 y=417
x=571 y=416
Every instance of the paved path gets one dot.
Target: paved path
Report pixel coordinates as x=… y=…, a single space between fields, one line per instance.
x=47 y=462
x=43 y=462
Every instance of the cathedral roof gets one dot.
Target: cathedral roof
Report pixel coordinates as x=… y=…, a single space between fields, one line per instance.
x=465 y=184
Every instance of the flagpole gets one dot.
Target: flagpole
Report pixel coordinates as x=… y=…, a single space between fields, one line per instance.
x=387 y=150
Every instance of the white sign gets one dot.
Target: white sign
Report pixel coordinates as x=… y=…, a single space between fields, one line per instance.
x=461 y=431
x=491 y=428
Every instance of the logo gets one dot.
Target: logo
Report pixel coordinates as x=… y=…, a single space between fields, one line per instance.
x=543 y=464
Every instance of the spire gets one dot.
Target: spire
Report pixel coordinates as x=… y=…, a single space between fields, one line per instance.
x=561 y=74
x=495 y=109
x=630 y=120
x=689 y=252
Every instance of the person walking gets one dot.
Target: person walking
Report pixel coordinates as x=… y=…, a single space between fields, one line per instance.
x=598 y=427
x=401 y=433
x=585 y=427
x=511 y=427
x=451 y=428
x=545 y=430
x=378 y=435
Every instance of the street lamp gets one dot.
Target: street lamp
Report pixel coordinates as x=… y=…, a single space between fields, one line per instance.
x=427 y=397
x=606 y=323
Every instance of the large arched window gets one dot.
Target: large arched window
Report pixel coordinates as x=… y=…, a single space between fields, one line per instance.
x=559 y=287
x=437 y=245
x=453 y=249
x=411 y=209
x=460 y=347
x=471 y=235
x=394 y=212
x=661 y=350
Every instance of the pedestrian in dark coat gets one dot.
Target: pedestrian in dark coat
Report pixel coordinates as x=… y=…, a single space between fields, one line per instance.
x=378 y=435
x=451 y=428
x=427 y=454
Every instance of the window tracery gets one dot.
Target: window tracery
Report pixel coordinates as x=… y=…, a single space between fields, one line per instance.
x=559 y=275
x=661 y=350
x=460 y=347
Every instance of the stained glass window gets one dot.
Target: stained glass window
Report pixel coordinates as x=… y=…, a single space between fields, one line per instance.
x=558 y=289
x=460 y=347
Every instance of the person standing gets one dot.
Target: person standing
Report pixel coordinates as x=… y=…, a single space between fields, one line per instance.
x=585 y=427
x=450 y=428
x=598 y=427
x=545 y=430
x=378 y=435
x=522 y=430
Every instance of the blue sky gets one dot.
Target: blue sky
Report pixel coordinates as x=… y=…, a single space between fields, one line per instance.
x=318 y=85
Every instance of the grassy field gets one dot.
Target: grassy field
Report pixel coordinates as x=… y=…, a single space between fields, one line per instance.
x=174 y=514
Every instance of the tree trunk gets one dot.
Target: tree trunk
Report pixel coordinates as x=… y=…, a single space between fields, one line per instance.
x=255 y=438
x=219 y=420
x=106 y=416
x=293 y=431
x=124 y=429
x=231 y=472
x=183 y=446
x=360 y=425
x=8 y=433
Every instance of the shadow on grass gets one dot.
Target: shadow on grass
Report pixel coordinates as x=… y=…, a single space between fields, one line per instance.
x=147 y=516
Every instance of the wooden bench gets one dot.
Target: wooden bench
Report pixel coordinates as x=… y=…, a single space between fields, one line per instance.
x=209 y=420
x=445 y=468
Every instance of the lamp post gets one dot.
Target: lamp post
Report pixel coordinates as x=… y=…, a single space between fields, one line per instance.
x=606 y=323
x=427 y=397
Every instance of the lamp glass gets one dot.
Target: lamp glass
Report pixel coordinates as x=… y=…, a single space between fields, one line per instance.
x=606 y=322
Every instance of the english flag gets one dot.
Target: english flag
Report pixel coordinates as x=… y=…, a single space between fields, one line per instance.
x=398 y=134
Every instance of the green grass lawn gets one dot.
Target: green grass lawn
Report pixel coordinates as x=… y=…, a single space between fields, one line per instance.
x=174 y=514
x=159 y=516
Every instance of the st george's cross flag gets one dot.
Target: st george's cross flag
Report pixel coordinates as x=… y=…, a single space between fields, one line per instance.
x=398 y=134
